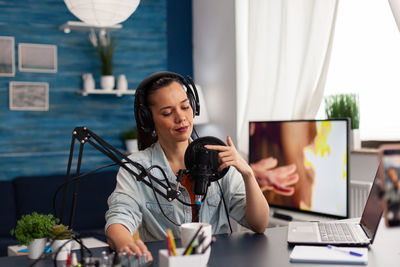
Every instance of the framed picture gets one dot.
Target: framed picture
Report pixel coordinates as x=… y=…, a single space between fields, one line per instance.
x=29 y=96
x=37 y=58
x=7 y=58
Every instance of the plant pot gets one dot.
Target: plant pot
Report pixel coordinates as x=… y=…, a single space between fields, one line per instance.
x=36 y=248
x=131 y=145
x=63 y=253
x=107 y=82
x=355 y=140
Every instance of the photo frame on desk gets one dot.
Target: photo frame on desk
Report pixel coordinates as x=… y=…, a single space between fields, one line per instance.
x=7 y=56
x=32 y=96
x=37 y=58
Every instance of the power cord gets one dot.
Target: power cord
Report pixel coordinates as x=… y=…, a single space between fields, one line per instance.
x=225 y=206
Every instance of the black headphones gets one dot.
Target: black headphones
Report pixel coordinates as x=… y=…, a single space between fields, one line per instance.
x=142 y=112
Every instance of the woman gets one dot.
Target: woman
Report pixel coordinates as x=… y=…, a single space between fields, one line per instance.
x=164 y=115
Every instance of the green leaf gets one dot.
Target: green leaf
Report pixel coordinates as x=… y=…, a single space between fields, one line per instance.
x=32 y=226
x=343 y=106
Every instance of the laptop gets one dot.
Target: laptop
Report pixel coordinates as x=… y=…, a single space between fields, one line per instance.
x=343 y=233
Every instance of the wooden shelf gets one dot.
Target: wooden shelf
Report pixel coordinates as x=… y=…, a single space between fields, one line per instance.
x=106 y=92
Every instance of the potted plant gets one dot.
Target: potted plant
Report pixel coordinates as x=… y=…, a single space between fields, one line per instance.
x=345 y=106
x=32 y=230
x=61 y=234
x=104 y=45
x=130 y=138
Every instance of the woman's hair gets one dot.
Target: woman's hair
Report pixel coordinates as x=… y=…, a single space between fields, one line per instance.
x=146 y=139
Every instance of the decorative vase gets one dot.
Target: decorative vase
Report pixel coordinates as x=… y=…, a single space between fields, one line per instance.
x=36 y=248
x=131 y=145
x=122 y=83
x=107 y=82
x=355 y=141
x=63 y=253
x=88 y=82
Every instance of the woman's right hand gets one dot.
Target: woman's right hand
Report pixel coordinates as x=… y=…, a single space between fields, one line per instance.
x=136 y=247
x=125 y=242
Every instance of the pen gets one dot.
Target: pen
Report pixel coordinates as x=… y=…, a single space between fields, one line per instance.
x=190 y=250
x=213 y=239
x=191 y=241
x=345 y=251
x=172 y=240
x=199 y=243
x=169 y=246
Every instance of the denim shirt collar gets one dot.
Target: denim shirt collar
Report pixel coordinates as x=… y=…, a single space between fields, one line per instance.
x=158 y=158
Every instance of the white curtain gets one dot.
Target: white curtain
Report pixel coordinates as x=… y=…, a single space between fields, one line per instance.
x=283 y=51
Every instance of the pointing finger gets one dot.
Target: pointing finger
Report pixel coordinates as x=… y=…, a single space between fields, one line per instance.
x=229 y=141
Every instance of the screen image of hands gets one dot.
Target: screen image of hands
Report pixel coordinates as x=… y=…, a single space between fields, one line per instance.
x=279 y=179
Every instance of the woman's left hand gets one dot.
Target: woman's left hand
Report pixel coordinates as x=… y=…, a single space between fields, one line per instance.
x=228 y=156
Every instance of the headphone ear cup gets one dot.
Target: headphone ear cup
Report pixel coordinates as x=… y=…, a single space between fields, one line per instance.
x=146 y=119
x=192 y=102
x=192 y=96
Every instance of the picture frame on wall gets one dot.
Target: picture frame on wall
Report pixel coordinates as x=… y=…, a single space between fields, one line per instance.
x=33 y=96
x=37 y=58
x=7 y=56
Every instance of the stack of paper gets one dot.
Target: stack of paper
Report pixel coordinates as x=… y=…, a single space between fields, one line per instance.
x=320 y=254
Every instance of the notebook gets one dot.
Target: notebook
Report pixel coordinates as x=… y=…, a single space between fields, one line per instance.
x=342 y=233
x=318 y=254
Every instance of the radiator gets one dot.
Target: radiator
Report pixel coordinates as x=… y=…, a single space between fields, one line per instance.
x=359 y=192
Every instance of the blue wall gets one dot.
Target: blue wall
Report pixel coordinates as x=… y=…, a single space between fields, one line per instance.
x=37 y=142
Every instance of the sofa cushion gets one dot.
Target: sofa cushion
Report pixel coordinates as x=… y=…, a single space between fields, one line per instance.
x=36 y=194
x=7 y=208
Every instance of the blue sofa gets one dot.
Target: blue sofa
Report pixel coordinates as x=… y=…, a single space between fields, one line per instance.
x=24 y=195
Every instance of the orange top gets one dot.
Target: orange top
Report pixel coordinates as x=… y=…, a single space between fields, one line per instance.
x=187 y=182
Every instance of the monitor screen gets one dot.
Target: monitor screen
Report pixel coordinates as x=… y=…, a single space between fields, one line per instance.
x=305 y=164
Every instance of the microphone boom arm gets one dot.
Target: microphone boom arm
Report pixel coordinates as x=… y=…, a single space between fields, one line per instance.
x=84 y=135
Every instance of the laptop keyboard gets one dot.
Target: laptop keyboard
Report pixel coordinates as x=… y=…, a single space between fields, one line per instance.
x=336 y=232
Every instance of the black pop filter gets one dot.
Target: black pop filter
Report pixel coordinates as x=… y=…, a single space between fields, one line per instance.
x=203 y=163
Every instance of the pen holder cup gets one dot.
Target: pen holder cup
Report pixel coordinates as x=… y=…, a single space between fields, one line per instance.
x=194 y=260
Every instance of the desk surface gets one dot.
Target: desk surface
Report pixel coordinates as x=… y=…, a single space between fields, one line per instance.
x=256 y=250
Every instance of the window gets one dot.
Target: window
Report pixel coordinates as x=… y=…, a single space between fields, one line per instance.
x=366 y=60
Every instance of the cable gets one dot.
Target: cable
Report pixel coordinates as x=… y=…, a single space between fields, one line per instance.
x=148 y=173
x=158 y=202
x=74 y=179
x=195 y=132
x=155 y=195
x=45 y=254
x=226 y=208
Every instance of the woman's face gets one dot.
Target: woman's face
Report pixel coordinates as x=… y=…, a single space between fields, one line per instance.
x=172 y=113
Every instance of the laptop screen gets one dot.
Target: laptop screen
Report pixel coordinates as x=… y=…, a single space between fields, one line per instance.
x=316 y=151
x=373 y=209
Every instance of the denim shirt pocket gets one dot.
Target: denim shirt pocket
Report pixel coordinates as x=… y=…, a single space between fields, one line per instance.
x=154 y=208
x=213 y=202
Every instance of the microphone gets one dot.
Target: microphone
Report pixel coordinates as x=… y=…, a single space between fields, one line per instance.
x=203 y=164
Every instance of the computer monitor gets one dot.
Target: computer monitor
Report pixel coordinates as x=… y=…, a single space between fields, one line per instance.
x=319 y=150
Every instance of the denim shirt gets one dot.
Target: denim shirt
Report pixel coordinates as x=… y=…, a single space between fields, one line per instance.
x=134 y=205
